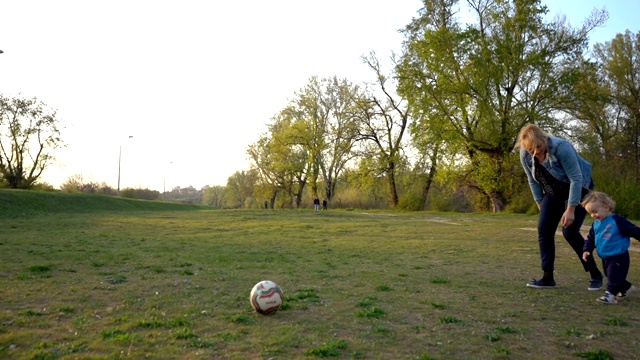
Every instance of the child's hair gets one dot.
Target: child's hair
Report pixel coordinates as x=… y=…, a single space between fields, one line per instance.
x=599 y=196
x=530 y=135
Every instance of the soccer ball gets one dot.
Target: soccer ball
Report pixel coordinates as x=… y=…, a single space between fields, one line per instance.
x=266 y=297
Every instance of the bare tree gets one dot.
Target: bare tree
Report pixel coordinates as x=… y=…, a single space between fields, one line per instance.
x=28 y=132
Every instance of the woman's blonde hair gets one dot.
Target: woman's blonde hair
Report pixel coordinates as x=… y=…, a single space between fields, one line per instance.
x=531 y=135
x=600 y=197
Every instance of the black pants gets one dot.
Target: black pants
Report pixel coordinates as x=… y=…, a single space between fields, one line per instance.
x=616 y=269
x=551 y=211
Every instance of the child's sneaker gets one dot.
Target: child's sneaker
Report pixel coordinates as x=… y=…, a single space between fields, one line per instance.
x=626 y=293
x=608 y=298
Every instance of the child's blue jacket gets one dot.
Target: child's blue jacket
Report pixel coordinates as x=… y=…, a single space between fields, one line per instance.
x=611 y=236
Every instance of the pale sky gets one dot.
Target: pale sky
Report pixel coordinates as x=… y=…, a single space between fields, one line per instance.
x=196 y=81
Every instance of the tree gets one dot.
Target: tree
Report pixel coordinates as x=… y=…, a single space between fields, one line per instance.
x=487 y=79
x=28 y=134
x=593 y=118
x=279 y=160
x=341 y=132
x=213 y=196
x=76 y=184
x=383 y=121
x=619 y=62
x=429 y=139
x=323 y=125
x=239 y=189
x=262 y=162
x=309 y=142
x=605 y=117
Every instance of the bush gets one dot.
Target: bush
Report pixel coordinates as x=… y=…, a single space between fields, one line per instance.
x=444 y=199
x=410 y=202
x=522 y=203
x=43 y=187
x=142 y=194
x=626 y=196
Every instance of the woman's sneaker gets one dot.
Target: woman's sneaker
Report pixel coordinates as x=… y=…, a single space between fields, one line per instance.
x=542 y=284
x=595 y=285
x=608 y=298
x=626 y=293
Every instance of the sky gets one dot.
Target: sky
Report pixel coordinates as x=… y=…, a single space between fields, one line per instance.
x=167 y=93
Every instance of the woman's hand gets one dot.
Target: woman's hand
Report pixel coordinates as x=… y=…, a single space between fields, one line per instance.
x=568 y=216
x=585 y=255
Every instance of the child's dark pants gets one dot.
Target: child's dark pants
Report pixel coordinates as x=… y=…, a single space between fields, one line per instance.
x=616 y=269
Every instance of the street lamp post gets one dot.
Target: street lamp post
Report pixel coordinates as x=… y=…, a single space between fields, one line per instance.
x=119 y=161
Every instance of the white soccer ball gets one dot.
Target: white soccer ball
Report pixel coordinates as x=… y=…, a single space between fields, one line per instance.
x=266 y=297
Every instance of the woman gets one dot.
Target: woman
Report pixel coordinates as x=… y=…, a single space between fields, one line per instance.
x=559 y=178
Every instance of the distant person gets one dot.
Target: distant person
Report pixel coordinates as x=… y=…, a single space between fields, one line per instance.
x=611 y=235
x=324 y=205
x=316 y=203
x=559 y=178
x=266 y=204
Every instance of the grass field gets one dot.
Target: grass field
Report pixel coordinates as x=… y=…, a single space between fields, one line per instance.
x=83 y=279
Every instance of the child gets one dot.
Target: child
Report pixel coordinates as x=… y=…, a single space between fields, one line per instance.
x=610 y=234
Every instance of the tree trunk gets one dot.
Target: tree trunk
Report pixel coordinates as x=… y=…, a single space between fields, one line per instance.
x=498 y=201
x=393 y=191
x=427 y=187
x=328 y=189
x=298 y=200
x=272 y=201
x=431 y=174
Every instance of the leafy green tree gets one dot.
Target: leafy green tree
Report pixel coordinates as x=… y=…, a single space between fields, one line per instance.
x=619 y=61
x=213 y=196
x=383 y=119
x=429 y=142
x=323 y=126
x=28 y=133
x=263 y=161
x=308 y=128
x=239 y=188
x=597 y=127
x=309 y=142
x=488 y=78
x=280 y=160
x=606 y=117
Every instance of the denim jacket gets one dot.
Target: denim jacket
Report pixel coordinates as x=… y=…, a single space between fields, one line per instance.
x=564 y=163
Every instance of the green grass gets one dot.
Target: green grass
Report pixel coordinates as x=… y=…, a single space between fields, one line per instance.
x=84 y=279
x=20 y=203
